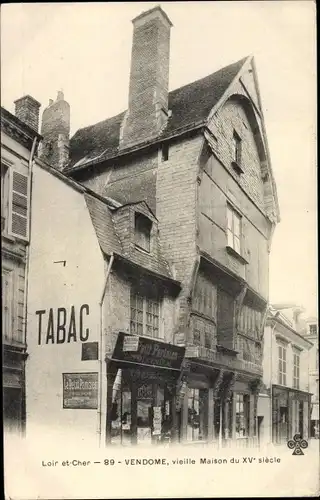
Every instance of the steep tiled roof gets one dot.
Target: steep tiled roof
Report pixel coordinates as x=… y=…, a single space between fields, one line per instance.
x=106 y=229
x=101 y=217
x=189 y=104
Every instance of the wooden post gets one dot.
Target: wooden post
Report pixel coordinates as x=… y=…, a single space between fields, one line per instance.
x=210 y=415
x=234 y=409
x=251 y=416
x=220 y=425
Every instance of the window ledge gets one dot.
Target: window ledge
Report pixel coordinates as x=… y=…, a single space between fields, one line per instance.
x=142 y=250
x=227 y=350
x=7 y=236
x=235 y=165
x=235 y=254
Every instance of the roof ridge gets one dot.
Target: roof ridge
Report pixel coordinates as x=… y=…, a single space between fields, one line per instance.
x=210 y=74
x=170 y=92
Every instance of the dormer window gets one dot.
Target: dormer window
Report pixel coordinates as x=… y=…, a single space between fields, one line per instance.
x=236 y=153
x=142 y=230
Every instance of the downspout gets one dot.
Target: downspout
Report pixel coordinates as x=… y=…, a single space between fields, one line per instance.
x=101 y=357
x=27 y=265
x=271 y=391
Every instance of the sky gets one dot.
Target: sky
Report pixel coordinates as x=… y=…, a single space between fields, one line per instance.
x=85 y=50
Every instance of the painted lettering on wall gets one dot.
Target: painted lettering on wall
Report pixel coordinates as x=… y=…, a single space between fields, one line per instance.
x=58 y=326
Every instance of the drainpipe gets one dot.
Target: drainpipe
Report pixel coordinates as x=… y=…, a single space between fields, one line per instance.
x=271 y=391
x=25 y=306
x=101 y=357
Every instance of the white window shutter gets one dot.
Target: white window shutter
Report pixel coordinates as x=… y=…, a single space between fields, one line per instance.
x=19 y=204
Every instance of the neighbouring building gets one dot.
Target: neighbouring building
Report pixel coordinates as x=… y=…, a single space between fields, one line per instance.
x=309 y=328
x=19 y=142
x=196 y=209
x=96 y=273
x=285 y=398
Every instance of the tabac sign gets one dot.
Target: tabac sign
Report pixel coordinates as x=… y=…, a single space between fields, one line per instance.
x=145 y=351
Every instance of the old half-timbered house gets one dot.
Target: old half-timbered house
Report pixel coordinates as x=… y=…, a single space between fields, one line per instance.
x=198 y=158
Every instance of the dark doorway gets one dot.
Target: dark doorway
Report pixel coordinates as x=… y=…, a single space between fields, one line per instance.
x=12 y=399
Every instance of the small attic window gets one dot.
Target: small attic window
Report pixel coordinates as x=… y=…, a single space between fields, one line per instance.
x=237 y=153
x=142 y=231
x=165 y=152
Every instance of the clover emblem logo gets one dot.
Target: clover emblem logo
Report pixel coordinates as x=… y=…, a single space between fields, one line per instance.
x=297 y=444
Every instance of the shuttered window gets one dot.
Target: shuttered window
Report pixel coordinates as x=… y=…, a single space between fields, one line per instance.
x=19 y=204
x=7 y=304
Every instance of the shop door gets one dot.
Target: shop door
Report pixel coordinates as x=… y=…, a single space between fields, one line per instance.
x=301 y=419
x=144 y=413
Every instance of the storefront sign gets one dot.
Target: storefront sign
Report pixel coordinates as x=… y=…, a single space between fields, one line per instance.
x=59 y=326
x=130 y=344
x=80 y=390
x=150 y=352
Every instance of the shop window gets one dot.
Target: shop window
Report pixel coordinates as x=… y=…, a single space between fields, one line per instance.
x=242 y=415
x=121 y=412
x=234 y=229
x=282 y=367
x=144 y=314
x=197 y=427
x=296 y=370
x=142 y=228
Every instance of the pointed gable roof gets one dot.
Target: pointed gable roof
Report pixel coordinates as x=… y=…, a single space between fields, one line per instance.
x=190 y=106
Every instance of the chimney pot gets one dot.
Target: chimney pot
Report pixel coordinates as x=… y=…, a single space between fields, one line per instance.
x=60 y=96
x=27 y=110
x=50 y=102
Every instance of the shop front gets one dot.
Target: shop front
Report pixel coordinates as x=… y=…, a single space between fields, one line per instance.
x=13 y=390
x=220 y=407
x=143 y=379
x=290 y=414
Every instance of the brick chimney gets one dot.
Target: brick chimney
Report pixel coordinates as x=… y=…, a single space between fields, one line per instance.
x=55 y=129
x=149 y=78
x=27 y=110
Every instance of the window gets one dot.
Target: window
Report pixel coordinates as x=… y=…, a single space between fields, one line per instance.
x=250 y=322
x=236 y=153
x=204 y=332
x=234 y=229
x=296 y=370
x=242 y=415
x=197 y=429
x=313 y=330
x=282 y=372
x=142 y=226
x=145 y=314
x=165 y=152
x=205 y=297
x=14 y=201
x=4 y=195
x=7 y=304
